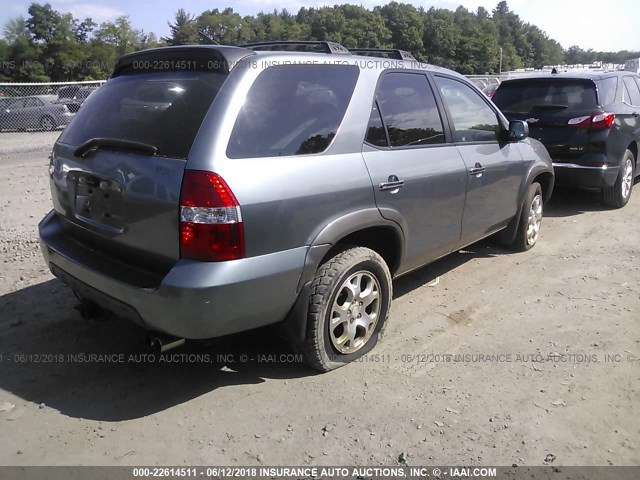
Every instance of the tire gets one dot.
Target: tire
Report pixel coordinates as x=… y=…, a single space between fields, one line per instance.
x=530 y=219
x=47 y=123
x=619 y=194
x=333 y=289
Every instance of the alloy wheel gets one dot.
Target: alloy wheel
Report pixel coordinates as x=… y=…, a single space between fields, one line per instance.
x=47 y=124
x=534 y=220
x=355 y=312
x=627 y=178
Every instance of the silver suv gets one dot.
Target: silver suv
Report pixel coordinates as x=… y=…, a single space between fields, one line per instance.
x=208 y=190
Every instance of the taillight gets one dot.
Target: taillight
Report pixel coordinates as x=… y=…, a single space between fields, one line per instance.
x=210 y=219
x=601 y=120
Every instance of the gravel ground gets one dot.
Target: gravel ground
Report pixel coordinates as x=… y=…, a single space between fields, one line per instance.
x=12 y=144
x=503 y=362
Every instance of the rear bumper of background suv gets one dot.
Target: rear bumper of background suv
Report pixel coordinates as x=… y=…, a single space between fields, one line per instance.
x=578 y=171
x=194 y=300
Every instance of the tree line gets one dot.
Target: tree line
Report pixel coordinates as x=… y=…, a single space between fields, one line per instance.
x=53 y=46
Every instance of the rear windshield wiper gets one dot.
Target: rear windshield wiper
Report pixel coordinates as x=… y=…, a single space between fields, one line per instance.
x=113 y=143
x=550 y=106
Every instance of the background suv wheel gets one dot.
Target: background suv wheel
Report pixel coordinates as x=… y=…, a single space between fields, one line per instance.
x=47 y=123
x=619 y=194
x=348 y=308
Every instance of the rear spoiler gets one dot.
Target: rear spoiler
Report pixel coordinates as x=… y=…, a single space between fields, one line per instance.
x=208 y=58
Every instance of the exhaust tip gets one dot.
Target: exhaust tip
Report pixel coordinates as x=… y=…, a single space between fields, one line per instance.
x=163 y=343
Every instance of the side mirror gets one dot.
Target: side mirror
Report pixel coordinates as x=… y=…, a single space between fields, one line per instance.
x=518 y=130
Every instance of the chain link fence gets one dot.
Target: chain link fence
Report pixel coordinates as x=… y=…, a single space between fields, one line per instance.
x=41 y=106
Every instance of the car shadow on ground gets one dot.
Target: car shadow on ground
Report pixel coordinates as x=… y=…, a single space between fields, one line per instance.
x=104 y=370
x=567 y=202
x=484 y=249
x=46 y=353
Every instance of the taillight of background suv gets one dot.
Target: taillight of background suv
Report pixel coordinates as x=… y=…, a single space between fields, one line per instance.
x=600 y=120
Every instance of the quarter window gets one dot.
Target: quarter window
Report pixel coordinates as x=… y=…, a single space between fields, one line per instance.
x=473 y=120
x=292 y=110
x=608 y=88
x=409 y=111
x=376 y=134
x=632 y=93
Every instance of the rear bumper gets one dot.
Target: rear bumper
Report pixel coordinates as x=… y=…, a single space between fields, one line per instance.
x=579 y=173
x=194 y=300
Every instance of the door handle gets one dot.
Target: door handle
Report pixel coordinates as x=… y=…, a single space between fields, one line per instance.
x=392 y=183
x=477 y=170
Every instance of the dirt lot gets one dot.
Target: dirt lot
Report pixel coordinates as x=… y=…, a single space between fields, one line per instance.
x=543 y=390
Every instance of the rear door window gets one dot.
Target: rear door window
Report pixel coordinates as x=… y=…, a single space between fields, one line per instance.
x=292 y=110
x=163 y=109
x=409 y=112
x=533 y=94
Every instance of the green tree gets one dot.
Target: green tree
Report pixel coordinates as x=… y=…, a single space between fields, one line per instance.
x=15 y=29
x=405 y=24
x=184 y=29
x=365 y=28
x=350 y=25
x=441 y=37
x=327 y=23
x=49 y=45
x=477 y=49
x=574 y=55
x=121 y=35
x=225 y=27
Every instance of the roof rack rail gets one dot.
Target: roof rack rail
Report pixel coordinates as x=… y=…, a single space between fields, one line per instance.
x=391 y=52
x=327 y=47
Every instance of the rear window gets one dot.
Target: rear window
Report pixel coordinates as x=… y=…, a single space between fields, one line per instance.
x=523 y=96
x=164 y=109
x=292 y=110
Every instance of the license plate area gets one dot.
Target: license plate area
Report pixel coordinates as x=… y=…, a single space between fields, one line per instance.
x=98 y=200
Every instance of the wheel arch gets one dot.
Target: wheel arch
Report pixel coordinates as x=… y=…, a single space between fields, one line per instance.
x=541 y=174
x=546 y=181
x=366 y=228
x=383 y=239
x=633 y=147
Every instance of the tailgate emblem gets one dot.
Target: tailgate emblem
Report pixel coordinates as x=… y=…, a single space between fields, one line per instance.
x=532 y=120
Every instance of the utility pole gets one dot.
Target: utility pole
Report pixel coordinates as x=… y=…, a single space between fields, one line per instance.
x=500 y=70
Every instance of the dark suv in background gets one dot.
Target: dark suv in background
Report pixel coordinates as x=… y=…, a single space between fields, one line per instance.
x=588 y=122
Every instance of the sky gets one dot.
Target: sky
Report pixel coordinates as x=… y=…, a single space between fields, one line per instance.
x=602 y=26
